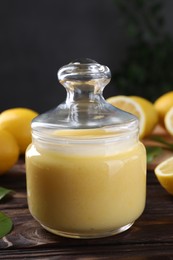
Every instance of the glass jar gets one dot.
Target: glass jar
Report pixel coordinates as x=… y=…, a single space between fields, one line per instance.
x=85 y=168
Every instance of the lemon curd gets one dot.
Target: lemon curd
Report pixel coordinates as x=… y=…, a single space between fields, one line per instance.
x=86 y=192
x=85 y=168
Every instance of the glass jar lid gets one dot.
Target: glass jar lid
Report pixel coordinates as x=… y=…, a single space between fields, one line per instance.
x=85 y=107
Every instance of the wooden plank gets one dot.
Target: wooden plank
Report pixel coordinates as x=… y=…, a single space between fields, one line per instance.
x=121 y=252
x=28 y=233
x=152 y=233
x=155 y=225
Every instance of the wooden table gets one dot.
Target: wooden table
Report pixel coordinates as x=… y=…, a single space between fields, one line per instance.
x=151 y=237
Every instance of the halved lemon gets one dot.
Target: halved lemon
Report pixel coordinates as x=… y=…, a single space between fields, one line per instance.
x=164 y=174
x=168 y=120
x=140 y=107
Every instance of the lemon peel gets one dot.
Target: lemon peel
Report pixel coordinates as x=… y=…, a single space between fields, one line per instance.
x=163 y=105
x=9 y=151
x=17 y=121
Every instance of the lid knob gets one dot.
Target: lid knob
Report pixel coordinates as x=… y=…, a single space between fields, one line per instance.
x=83 y=70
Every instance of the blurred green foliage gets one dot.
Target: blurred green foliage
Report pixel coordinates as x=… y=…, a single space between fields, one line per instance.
x=148 y=67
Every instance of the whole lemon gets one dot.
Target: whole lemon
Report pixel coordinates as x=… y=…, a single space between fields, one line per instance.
x=17 y=121
x=163 y=104
x=9 y=151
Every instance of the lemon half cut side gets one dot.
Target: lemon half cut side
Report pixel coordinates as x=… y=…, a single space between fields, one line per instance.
x=127 y=104
x=168 y=120
x=140 y=107
x=164 y=174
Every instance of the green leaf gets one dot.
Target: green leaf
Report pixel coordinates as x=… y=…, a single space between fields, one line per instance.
x=4 y=192
x=161 y=140
x=132 y=29
x=153 y=152
x=156 y=8
x=6 y=224
x=140 y=3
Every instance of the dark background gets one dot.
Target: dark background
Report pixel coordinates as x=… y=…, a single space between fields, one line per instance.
x=37 y=37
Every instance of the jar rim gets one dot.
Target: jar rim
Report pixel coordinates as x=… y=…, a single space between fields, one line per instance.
x=51 y=134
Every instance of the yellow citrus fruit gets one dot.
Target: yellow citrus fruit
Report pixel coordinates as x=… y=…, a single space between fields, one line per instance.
x=140 y=107
x=168 y=121
x=17 y=121
x=164 y=174
x=9 y=151
x=163 y=104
